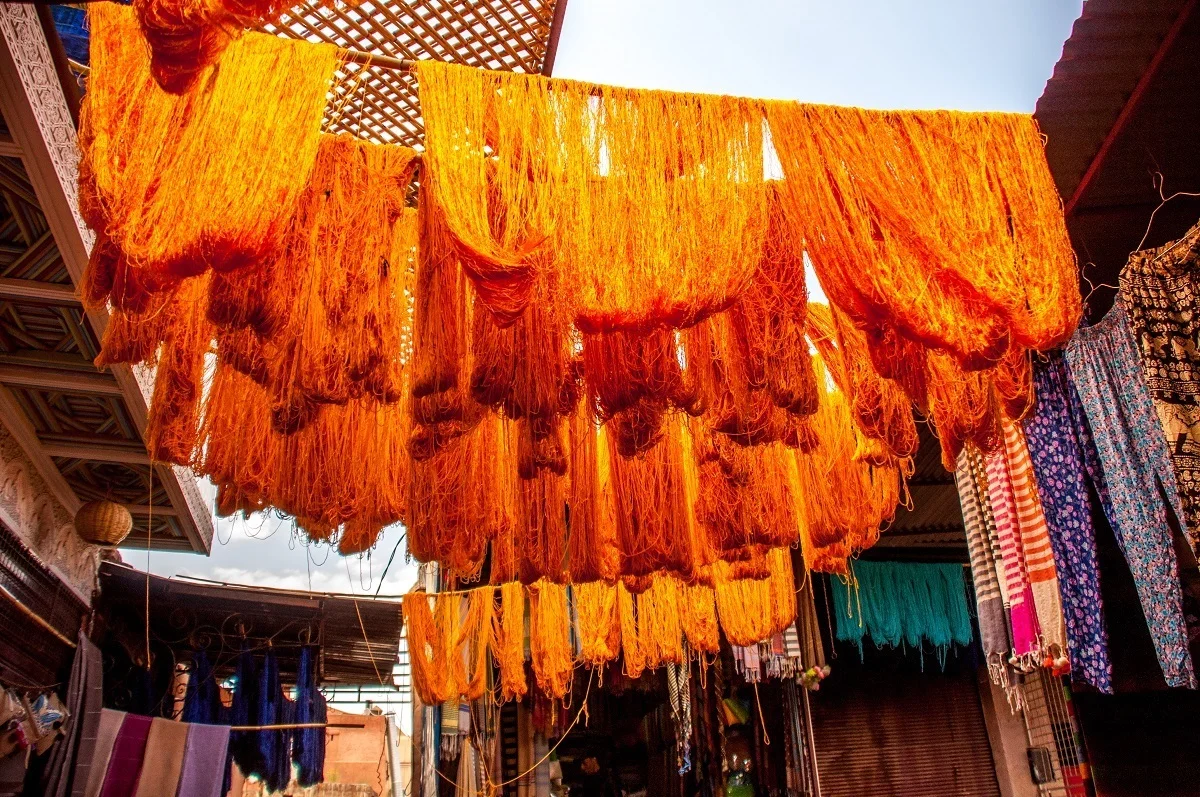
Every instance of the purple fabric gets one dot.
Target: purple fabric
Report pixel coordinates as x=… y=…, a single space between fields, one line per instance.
x=125 y=764
x=204 y=761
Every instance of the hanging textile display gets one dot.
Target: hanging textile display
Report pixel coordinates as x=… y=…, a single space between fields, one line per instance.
x=1062 y=454
x=651 y=205
x=181 y=183
x=185 y=38
x=1035 y=547
x=1134 y=464
x=1021 y=613
x=990 y=610
x=1160 y=295
x=908 y=604
x=896 y=209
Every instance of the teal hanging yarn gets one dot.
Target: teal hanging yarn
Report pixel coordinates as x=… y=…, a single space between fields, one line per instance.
x=900 y=603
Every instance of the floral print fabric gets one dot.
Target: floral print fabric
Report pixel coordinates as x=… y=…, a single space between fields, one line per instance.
x=1056 y=449
x=1134 y=466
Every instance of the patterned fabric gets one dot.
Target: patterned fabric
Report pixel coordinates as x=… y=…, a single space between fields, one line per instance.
x=1056 y=449
x=1025 y=630
x=1134 y=463
x=993 y=627
x=1160 y=289
x=1035 y=542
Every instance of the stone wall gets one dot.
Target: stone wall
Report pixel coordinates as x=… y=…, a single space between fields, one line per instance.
x=29 y=509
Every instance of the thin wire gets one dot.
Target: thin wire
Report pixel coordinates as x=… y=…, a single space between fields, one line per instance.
x=389 y=563
x=368 y=641
x=1159 y=182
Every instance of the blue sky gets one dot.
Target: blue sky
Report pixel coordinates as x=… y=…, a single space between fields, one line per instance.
x=957 y=54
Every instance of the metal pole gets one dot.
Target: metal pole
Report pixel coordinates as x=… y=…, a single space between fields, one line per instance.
x=812 y=745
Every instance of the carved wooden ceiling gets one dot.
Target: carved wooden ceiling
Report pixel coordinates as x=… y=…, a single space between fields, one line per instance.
x=75 y=415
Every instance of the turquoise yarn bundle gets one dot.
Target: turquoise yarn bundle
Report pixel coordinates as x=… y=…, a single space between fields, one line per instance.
x=903 y=604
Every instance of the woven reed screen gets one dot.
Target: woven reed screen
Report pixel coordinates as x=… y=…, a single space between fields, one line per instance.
x=381 y=104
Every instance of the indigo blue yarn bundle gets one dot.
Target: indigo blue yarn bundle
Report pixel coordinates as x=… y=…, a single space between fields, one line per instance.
x=308 y=745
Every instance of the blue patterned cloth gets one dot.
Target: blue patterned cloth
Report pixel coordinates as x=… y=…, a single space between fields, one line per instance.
x=1057 y=452
x=1135 y=467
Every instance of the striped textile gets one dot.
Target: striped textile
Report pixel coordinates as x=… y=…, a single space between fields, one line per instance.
x=1016 y=577
x=979 y=477
x=1035 y=542
x=993 y=627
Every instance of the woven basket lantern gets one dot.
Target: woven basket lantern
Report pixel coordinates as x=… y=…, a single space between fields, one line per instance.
x=103 y=522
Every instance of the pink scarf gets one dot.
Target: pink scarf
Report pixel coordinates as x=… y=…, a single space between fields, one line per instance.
x=1016 y=576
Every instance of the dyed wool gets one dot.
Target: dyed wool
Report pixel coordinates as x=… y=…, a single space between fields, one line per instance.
x=903 y=604
x=752 y=610
x=633 y=657
x=549 y=638
x=593 y=553
x=660 y=634
x=508 y=641
x=698 y=617
x=468 y=495
x=746 y=496
x=432 y=674
x=187 y=37
x=599 y=623
x=181 y=183
x=655 y=497
x=651 y=205
x=478 y=620
x=899 y=209
x=844 y=502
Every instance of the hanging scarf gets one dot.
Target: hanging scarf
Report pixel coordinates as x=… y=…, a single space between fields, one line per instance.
x=993 y=626
x=1016 y=576
x=1035 y=542
x=1161 y=296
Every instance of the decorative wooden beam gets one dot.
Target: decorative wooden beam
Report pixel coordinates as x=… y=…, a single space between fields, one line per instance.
x=59 y=380
x=97 y=452
x=142 y=510
x=556 y=23
x=1131 y=105
x=18 y=425
x=8 y=147
x=19 y=290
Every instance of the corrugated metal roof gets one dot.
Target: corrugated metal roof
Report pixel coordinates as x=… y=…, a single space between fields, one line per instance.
x=359 y=636
x=1133 y=65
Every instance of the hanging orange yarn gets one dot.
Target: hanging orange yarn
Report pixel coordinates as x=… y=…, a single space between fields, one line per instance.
x=477 y=625
x=593 y=553
x=187 y=36
x=650 y=204
x=754 y=610
x=909 y=218
x=549 y=638
x=432 y=677
x=633 y=658
x=654 y=502
x=182 y=183
x=747 y=496
x=508 y=641
x=698 y=618
x=599 y=623
x=659 y=616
